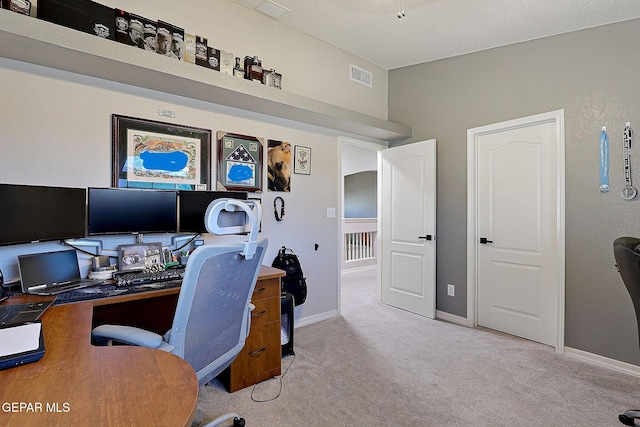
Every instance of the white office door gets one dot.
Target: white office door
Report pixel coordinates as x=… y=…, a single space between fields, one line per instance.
x=408 y=227
x=517 y=287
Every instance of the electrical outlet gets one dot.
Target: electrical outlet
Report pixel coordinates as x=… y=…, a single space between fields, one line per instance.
x=451 y=290
x=331 y=212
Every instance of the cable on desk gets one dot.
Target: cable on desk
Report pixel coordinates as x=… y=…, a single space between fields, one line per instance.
x=279 y=390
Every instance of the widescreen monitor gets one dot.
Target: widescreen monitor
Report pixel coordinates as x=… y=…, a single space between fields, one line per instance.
x=37 y=213
x=131 y=211
x=193 y=205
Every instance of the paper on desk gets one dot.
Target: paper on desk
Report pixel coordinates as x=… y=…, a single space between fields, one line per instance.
x=18 y=339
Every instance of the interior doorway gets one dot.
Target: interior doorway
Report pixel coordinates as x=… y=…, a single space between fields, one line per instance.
x=358 y=214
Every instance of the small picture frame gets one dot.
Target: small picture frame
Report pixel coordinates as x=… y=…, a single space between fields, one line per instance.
x=240 y=162
x=139 y=256
x=302 y=160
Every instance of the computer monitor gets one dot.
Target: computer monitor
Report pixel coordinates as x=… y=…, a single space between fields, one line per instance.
x=33 y=213
x=193 y=204
x=128 y=210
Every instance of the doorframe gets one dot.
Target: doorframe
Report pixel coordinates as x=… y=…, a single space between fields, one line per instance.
x=342 y=141
x=556 y=117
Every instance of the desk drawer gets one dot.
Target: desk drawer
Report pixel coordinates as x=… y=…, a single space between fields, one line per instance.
x=266 y=289
x=260 y=359
x=267 y=310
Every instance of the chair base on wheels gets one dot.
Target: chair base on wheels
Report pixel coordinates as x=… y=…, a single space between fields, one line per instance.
x=237 y=420
x=629 y=417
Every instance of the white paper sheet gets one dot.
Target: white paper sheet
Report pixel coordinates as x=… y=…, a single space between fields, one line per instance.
x=20 y=338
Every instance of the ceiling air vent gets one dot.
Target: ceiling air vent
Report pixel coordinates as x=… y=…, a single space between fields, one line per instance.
x=359 y=75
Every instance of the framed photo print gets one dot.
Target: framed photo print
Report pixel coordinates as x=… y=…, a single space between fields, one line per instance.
x=240 y=161
x=139 y=256
x=151 y=154
x=302 y=160
x=279 y=165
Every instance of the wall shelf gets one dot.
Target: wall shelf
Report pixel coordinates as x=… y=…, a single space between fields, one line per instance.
x=34 y=41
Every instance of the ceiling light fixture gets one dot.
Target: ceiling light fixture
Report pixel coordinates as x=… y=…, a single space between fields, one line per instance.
x=271 y=9
x=400 y=11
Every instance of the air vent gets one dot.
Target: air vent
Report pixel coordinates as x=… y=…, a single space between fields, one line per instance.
x=359 y=75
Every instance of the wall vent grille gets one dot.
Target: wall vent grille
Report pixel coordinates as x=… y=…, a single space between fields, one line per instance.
x=360 y=75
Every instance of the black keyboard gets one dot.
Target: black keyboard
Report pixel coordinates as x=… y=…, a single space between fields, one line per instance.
x=135 y=278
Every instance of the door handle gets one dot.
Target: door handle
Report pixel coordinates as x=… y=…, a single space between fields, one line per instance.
x=426 y=237
x=484 y=240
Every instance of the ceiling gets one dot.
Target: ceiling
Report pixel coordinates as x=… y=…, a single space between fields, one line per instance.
x=436 y=29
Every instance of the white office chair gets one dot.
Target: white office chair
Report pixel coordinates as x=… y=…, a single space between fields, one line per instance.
x=212 y=316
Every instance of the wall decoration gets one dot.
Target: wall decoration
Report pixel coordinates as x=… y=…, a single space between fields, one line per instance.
x=240 y=161
x=139 y=256
x=302 y=160
x=151 y=154
x=279 y=165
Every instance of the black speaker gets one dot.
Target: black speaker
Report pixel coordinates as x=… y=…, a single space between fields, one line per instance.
x=286 y=323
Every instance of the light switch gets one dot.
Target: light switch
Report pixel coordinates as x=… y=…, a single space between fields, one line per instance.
x=331 y=212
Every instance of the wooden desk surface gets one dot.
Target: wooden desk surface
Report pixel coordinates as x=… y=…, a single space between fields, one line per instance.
x=76 y=383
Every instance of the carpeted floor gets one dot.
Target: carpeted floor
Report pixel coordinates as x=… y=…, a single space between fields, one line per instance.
x=380 y=366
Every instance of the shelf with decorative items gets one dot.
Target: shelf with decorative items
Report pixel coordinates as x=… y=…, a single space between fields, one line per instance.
x=30 y=40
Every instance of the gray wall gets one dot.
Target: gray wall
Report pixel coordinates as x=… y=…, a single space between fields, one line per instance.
x=360 y=195
x=594 y=76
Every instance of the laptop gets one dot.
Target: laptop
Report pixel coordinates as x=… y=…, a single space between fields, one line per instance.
x=50 y=273
x=22 y=313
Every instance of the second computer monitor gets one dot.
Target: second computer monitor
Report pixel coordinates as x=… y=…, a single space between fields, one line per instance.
x=125 y=210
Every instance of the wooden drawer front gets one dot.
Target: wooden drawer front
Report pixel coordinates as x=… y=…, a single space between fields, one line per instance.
x=259 y=359
x=267 y=310
x=269 y=288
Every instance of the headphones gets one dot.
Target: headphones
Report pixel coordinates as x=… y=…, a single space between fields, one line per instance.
x=275 y=208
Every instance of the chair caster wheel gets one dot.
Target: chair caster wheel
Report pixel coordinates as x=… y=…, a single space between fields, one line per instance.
x=628 y=421
x=239 y=422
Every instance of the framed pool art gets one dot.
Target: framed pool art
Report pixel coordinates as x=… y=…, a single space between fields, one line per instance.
x=240 y=161
x=152 y=154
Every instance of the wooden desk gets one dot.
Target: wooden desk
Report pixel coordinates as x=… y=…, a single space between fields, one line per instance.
x=76 y=383
x=88 y=385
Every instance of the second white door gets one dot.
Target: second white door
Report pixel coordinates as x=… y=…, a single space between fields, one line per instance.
x=517 y=229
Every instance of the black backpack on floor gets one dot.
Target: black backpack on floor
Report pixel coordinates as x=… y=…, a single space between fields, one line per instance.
x=294 y=282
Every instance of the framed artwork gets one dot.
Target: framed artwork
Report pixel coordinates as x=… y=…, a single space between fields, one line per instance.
x=278 y=165
x=139 y=256
x=151 y=154
x=302 y=160
x=240 y=162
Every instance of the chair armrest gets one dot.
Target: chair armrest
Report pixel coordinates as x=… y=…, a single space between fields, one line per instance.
x=130 y=335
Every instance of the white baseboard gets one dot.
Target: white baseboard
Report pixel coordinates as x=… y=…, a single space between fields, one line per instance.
x=452 y=318
x=308 y=320
x=605 y=362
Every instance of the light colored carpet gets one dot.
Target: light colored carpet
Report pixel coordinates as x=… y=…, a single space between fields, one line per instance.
x=380 y=366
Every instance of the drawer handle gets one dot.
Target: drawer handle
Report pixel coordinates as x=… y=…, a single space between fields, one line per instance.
x=258 y=314
x=257 y=291
x=258 y=352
